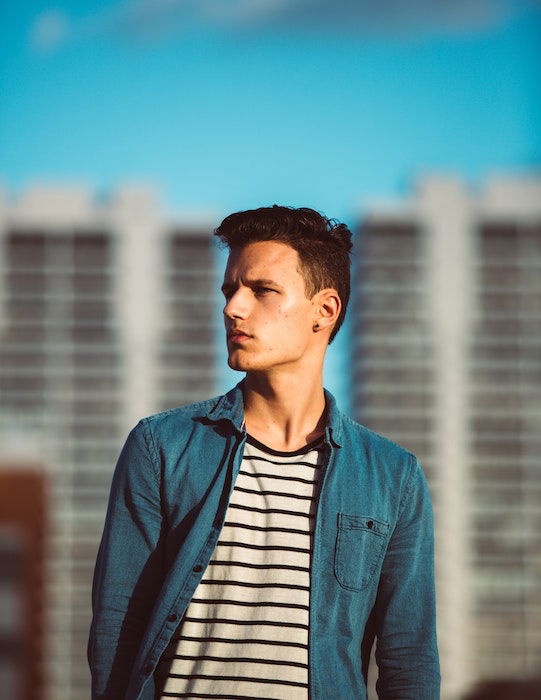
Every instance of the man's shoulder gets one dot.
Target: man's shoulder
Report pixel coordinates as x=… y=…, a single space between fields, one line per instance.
x=354 y=436
x=180 y=413
x=359 y=436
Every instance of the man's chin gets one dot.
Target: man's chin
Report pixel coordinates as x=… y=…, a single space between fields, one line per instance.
x=236 y=363
x=242 y=364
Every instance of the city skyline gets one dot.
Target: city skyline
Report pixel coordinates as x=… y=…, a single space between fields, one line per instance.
x=109 y=315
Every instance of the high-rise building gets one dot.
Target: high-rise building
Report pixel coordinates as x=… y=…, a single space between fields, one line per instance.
x=446 y=360
x=105 y=317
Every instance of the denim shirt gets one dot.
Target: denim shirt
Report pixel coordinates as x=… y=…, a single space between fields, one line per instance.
x=372 y=562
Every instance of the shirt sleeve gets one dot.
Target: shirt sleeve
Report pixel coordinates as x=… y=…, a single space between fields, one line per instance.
x=406 y=645
x=129 y=566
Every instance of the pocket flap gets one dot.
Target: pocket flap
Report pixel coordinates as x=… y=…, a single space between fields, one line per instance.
x=363 y=522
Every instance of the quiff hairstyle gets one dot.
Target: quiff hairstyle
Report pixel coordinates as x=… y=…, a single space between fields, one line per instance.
x=323 y=245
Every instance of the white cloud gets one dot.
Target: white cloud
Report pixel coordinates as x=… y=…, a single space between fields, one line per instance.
x=50 y=30
x=154 y=19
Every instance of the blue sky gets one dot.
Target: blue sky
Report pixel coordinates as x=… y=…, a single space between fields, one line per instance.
x=231 y=104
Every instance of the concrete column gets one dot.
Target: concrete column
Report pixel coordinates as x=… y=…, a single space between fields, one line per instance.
x=446 y=215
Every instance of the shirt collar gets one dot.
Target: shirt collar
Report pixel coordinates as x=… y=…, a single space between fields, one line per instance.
x=230 y=407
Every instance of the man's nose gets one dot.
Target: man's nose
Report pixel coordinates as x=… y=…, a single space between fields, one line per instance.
x=237 y=305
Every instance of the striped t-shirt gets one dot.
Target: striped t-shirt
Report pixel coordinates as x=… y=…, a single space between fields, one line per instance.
x=245 y=631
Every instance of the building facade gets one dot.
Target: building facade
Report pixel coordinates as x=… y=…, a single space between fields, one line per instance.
x=446 y=360
x=106 y=315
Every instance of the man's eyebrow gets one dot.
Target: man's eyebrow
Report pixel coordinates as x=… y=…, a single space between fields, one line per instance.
x=252 y=283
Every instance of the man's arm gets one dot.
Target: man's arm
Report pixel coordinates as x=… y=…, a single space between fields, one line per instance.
x=406 y=648
x=129 y=571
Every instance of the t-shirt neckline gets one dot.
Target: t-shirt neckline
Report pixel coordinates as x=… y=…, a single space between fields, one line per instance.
x=280 y=453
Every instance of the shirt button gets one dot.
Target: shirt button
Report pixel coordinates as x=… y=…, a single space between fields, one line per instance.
x=370 y=524
x=172 y=617
x=197 y=569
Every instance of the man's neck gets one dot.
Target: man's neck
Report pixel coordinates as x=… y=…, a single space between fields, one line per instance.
x=284 y=413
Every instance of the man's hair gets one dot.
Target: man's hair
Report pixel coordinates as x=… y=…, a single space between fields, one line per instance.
x=323 y=245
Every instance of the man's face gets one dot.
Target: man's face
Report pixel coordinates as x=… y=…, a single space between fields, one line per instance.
x=265 y=298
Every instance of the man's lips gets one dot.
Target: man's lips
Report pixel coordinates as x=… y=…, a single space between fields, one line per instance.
x=237 y=336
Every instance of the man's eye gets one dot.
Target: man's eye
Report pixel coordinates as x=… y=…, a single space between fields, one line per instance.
x=257 y=290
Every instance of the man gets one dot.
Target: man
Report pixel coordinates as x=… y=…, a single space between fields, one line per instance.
x=257 y=543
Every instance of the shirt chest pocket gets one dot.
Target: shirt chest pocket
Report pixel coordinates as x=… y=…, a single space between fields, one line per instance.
x=361 y=541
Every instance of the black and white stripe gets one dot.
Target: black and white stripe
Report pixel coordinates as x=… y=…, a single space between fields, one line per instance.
x=245 y=631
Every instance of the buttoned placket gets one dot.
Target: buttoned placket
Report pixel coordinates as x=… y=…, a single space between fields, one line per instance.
x=313 y=685
x=199 y=568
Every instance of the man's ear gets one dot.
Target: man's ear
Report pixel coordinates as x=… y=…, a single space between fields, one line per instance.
x=327 y=307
